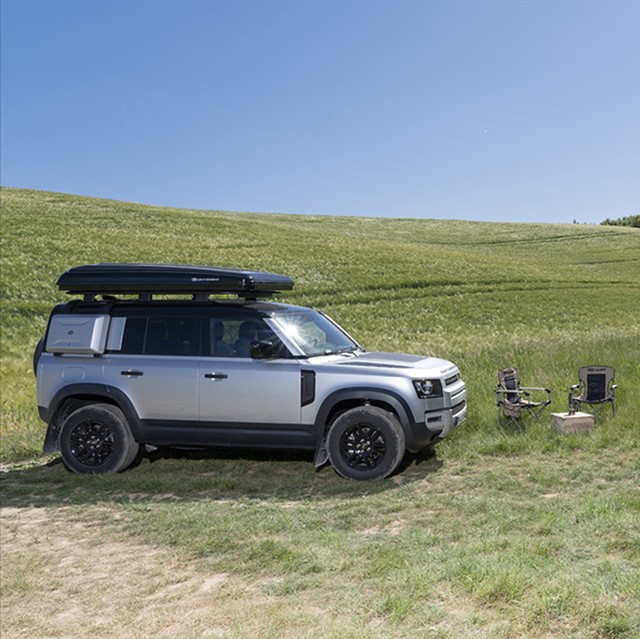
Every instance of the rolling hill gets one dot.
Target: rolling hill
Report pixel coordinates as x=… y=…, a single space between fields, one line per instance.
x=498 y=534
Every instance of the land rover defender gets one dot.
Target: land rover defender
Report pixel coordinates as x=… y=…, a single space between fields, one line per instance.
x=160 y=355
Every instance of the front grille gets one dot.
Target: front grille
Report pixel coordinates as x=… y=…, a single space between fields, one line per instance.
x=452 y=380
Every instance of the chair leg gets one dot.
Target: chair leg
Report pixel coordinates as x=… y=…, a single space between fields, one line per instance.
x=595 y=409
x=503 y=420
x=507 y=421
x=537 y=412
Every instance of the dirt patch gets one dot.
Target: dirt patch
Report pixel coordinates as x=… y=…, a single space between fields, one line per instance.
x=67 y=578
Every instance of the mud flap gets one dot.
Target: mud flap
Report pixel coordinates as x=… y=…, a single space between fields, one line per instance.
x=322 y=455
x=51 y=441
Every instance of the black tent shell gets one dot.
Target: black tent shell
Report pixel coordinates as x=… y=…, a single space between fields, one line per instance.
x=169 y=279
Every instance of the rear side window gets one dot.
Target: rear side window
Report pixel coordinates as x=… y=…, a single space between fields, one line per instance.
x=158 y=335
x=172 y=336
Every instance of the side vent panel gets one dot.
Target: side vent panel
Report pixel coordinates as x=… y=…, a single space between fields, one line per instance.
x=307 y=388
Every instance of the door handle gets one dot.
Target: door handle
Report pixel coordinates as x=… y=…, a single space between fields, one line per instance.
x=216 y=376
x=132 y=373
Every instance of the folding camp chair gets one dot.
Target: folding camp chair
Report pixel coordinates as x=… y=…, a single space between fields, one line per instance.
x=595 y=389
x=513 y=400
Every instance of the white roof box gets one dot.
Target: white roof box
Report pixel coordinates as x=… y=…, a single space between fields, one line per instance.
x=78 y=334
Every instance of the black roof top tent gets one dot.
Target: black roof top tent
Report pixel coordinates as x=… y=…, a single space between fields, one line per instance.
x=145 y=280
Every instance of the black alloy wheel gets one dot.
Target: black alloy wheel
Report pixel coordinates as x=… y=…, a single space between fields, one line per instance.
x=92 y=442
x=97 y=439
x=366 y=442
x=363 y=446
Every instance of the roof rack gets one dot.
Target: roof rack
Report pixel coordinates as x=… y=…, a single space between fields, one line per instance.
x=146 y=280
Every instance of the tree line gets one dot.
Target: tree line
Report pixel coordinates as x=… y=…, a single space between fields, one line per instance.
x=629 y=220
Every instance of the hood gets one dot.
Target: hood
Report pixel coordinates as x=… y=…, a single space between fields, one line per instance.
x=434 y=365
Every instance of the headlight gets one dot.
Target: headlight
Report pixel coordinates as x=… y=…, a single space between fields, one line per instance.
x=428 y=388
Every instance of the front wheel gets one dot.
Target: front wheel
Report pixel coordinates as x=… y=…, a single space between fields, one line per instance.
x=96 y=439
x=366 y=442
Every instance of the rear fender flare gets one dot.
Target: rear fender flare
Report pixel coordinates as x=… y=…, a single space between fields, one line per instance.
x=90 y=392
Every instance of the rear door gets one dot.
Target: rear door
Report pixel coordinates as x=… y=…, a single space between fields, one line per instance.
x=154 y=360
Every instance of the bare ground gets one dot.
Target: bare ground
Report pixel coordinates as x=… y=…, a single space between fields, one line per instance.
x=88 y=584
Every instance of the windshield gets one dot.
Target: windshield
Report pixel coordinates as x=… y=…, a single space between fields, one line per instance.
x=314 y=334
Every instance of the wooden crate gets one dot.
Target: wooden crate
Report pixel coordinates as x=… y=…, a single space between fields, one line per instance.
x=576 y=423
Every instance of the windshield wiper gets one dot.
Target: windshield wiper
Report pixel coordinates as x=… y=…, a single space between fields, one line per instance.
x=340 y=351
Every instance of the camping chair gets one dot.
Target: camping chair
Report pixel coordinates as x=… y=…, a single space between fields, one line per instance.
x=513 y=400
x=595 y=389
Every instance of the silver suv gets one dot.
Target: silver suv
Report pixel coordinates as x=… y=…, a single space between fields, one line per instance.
x=145 y=356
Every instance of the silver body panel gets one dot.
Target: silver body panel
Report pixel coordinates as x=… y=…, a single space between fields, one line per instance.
x=394 y=373
x=239 y=400
x=160 y=388
x=253 y=391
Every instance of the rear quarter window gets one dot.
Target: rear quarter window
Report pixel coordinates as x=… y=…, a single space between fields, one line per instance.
x=133 y=337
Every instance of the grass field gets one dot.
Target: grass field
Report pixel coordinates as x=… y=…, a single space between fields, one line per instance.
x=500 y=534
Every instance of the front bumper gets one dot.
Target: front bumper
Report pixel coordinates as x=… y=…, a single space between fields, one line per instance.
x=437 y=425
x=442 y=422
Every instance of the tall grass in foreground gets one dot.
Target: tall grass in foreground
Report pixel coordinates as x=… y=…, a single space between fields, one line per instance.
x=499 y=534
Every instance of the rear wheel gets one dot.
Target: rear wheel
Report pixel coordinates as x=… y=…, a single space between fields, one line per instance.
x=366 y=442
x=97 y=439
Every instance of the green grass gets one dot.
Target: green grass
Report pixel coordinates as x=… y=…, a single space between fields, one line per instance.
x=502 y=533
x=533 y=545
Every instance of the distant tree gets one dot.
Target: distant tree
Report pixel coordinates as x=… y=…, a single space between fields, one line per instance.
x=629 y=220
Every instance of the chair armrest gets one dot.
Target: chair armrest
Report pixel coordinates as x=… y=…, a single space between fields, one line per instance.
x=537 y=388
x=521 y=392
x=540 y=390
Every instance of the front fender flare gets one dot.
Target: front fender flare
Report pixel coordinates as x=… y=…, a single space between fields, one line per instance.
x=363 y=395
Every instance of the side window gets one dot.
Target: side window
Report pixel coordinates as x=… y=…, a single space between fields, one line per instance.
x=220 y=338
x=172 y=336
x=232 y=337
x=161 y=336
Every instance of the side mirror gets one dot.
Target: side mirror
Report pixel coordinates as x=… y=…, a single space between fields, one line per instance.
x=261 y=350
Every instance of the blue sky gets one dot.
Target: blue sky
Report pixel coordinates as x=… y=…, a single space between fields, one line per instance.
x=514 y=111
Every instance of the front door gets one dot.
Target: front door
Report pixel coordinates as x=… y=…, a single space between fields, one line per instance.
x=243 y=401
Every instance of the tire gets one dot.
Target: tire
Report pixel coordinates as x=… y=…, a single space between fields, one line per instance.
x=366 y=442
x=96 y=439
